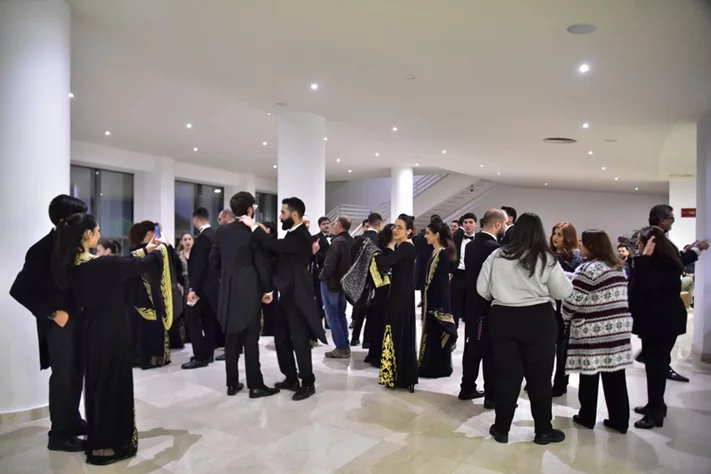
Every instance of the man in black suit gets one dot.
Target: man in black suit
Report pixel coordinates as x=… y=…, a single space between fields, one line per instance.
x=58 y=331
x=324 y=242
x=511 y=220
x=477 y=345
x=293 y=333
x=245 y=283
x=458 y=285
x=202 y=298
x=360 y=309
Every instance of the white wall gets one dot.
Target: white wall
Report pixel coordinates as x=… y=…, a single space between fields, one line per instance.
x=360 y=192
x=616 y=213
x=682 y=194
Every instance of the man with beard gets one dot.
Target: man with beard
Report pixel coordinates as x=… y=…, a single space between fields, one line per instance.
x=477 y=347
x=293 y=333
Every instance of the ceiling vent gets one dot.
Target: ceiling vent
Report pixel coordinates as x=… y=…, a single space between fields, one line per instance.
x=559 y=140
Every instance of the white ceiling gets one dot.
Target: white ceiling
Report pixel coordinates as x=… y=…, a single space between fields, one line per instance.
x=485 y=80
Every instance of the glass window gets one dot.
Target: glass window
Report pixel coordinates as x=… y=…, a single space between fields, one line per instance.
x=190 y=196
x=109 y=196
x=268 y=210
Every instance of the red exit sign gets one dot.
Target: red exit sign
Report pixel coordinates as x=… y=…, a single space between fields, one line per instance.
x=688 y=212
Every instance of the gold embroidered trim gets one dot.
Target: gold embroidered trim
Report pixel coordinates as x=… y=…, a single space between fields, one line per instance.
x=388 y=362
x=147 y=313
x=140 y=253
x=379 y=280
x=430 y=275
x=166 y=290
x=83 y=258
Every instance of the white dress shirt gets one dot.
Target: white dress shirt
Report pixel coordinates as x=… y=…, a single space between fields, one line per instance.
x=465 y=241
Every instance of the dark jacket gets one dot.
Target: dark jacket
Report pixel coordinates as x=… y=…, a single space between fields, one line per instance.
x=478 y=250
x=35 y=289
x=338 y=261
x=424 y=252
x=291 y=276
x=324 y=245
x=655 y=297
x=245 y=276
x=358 y=242
x=458 y=240
x=204 y=279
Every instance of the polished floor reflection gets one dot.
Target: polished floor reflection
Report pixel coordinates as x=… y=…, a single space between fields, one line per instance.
x=187 y=424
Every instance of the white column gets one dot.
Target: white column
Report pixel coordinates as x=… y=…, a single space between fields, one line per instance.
x=302 y=161
x=702 y=291
x=401 y=192
x=682 y=194
x=154 y=195
x=34 y=158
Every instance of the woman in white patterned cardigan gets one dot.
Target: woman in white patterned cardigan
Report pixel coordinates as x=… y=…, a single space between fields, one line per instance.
x=600 y=329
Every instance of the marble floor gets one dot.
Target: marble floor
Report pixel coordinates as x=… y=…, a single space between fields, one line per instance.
x=187 y=424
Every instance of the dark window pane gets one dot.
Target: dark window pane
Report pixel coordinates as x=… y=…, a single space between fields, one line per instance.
x=268 y=207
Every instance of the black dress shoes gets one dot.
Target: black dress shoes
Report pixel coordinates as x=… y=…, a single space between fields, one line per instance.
x=471 y=394
x=82 y=428
x=559 y=391
x=262 y=392
x=489 y=405
x=195 y=364
x=579 y=421
x=645 y=410
x=672 y=375
x=304 y=392
x=68 y=445
x=553 y=436
x=502 y=438
x=355 y=343
x=650 y=421
x=222 y=357
x=366 y=345
x=233 y=389
x=613 y=426
x=291 y=385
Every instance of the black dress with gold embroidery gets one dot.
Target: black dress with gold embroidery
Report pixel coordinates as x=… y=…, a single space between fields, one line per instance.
x=439 y=332
x=398 y=363
x=98 y=286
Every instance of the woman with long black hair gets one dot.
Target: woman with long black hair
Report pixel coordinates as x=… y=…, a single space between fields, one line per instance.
x=439 y=330
x=398 y=363
x=523 y=280
x=375 y=322
x=658 y=313
x=98 y=286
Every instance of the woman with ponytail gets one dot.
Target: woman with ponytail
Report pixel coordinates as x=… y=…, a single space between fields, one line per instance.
x=108 y=247
x=439 y=330
x=97 y=284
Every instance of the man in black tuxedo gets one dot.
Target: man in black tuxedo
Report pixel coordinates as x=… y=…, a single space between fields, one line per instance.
x=293 y=333
x=458 y=285
x=203 y=295
x=58 y=331
x=360 y=309
x=511 y=220
x=477 y=346
x=324 y=242
x=245 y=283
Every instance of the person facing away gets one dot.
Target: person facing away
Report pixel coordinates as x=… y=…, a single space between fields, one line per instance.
x=245 y=283
x=98 y=286
x=225 y=217
x=375 y=322
x=600 y=329
x=439 y=330
x=512 y=215
x=360 y=309
x=522 y=280
x=301 y=321
x=59 y=341
x=336 y=264
x=458 y=266
x=477 y=345
x=202 y=296
x=272 y=310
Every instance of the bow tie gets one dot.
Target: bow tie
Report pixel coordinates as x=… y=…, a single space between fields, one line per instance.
x=468 y=237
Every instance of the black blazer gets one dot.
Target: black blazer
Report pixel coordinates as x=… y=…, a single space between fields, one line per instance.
x=204 y=279
x=338 y=261
x=35 y=289
x=655 y=297
x=291 y=276
x=324 y=245
x=245 y=276
x=458 y=239
x=424 y=252
x=477 y=252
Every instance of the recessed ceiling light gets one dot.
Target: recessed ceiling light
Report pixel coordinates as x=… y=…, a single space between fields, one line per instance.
x=444 y=152
x=188 y=125
x=264 y=143
x=350 y=171
x=417 y=164
x=481 y=166
x=269 y=113
x=616 y=178
x=498 y=174
x=107 y=133
x=584 y=68
x=325 y=139
x=603 y=168
x=636 y=189
x=71 y=96
x=314 y=87
x=545 y=184
x=275 y=166
x=590 y=153
x=586 y=125
x=338 y=160
x=218 y=190
x=195 y=149
x=394 y=129
x=581 y=29
x=377 y=154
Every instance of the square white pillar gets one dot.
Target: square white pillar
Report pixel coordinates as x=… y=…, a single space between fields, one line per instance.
x=154 y=196
x=702 y=294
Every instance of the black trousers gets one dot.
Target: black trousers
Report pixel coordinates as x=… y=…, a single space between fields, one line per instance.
x=360 y=310
x=202 y=326
x=270 y=312
x=524 y=346
x=614 y=384
x=560 y=380
x=479 y=349
x=657 y=351
x=458 y=296
x=292 y=336
x=249 y=340
x=65 y=383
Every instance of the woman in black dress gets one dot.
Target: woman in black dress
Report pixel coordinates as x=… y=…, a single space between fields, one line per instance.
x=375 y=322
x=98 y=286
x=439 y=331
x=398 y=363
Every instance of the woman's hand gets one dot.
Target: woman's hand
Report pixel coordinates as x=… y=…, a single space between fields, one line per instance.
x=649 y=248
x=248 y=221
x=153 y=244
x=61 y=318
